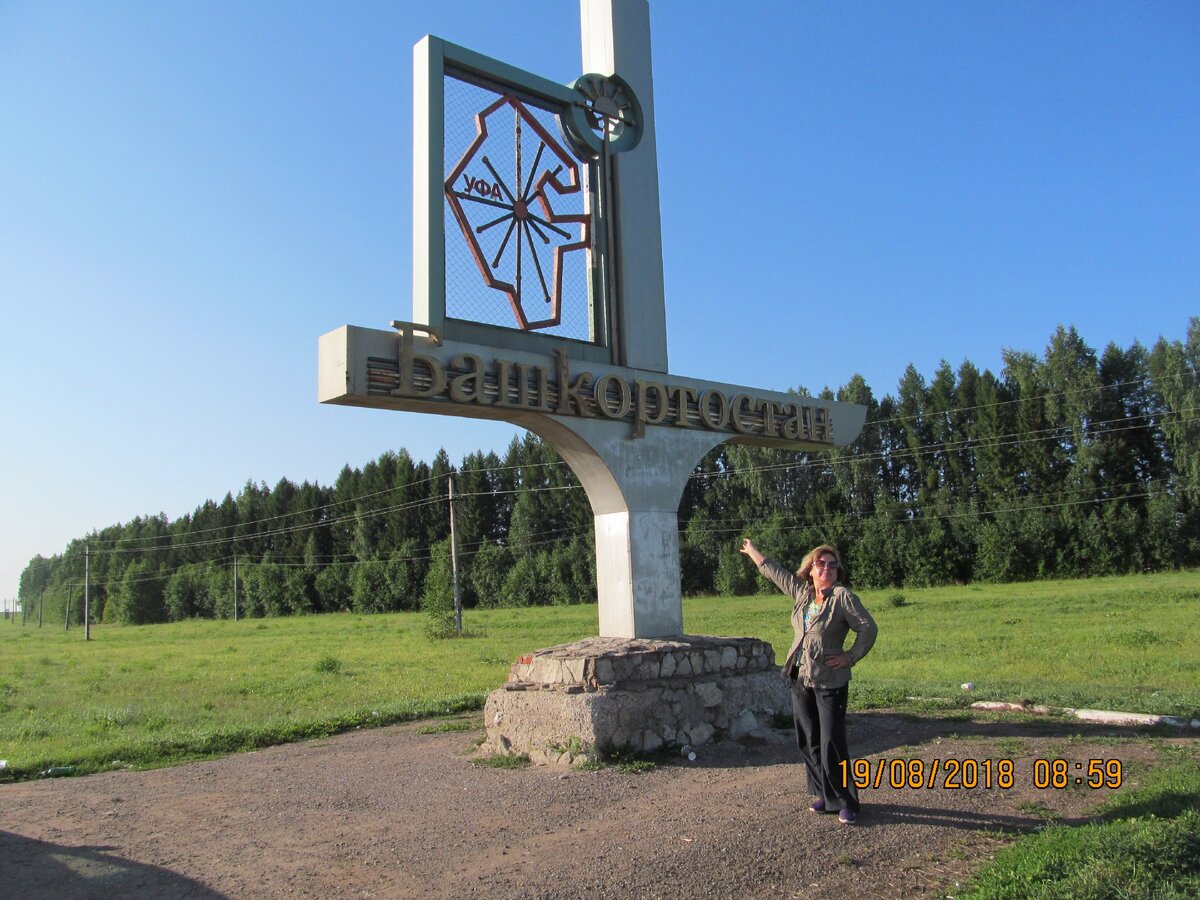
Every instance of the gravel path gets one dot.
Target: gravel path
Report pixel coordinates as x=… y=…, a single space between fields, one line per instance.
x=393 y=813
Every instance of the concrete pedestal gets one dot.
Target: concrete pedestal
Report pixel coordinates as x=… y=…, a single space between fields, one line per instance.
x=609 y=695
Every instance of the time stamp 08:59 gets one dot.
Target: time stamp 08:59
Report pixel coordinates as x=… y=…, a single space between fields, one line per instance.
x=972 y=774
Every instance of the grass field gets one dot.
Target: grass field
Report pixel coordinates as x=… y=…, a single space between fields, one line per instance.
x=1144 y=845
x=150 y=695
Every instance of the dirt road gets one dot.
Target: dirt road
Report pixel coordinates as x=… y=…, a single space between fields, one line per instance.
x=394 y=813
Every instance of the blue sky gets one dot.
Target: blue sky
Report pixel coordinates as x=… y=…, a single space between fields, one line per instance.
x=191 y=193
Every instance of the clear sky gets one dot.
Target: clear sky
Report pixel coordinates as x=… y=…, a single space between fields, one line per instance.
x=191 y=193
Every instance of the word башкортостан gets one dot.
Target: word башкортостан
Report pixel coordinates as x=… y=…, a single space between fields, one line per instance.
x=470 y=380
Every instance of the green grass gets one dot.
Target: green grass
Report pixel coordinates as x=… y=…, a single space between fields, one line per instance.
x=1126 y=643
x=504 y=761
x=472 y=724
x=1145 y=845
x=152 y=695
x=632 y=765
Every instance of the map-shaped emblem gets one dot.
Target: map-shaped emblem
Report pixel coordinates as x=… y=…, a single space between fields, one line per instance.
x=511 y=195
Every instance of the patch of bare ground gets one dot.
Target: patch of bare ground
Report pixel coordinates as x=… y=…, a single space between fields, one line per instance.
x=393 y=813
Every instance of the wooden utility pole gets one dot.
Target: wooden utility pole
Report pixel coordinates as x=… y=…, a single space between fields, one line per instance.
x=454 y=563
x=41 y=605
x=235 y=587
x=87 y=612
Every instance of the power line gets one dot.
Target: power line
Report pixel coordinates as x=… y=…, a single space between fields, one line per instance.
x=938 y=516
x=740 y=471
x=891 y=453
x=735 y=526
x=518 y=466
x=1148 y=381
x=698 y=523
x=914 y=452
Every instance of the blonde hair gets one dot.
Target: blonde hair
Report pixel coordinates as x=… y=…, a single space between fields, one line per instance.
x=804 y=573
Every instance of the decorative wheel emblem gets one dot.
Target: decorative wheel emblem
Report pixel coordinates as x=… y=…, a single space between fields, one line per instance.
x=607 y=113
x=504 y=204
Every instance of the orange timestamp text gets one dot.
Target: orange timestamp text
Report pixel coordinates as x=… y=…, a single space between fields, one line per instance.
x=972 y=774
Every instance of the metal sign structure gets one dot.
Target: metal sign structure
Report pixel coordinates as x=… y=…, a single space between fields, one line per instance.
x=529 y=192
x=538 y=300
x=512 y=222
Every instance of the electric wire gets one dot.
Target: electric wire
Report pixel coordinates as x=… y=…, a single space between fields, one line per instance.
x=897 y=453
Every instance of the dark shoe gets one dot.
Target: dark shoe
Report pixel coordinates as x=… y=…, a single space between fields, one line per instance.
x=847 y=817
x=817 y=805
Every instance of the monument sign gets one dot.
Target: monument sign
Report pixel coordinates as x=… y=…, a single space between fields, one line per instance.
x=538 y=300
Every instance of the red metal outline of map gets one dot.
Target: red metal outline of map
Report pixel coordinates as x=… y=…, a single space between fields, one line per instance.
x=518 y=207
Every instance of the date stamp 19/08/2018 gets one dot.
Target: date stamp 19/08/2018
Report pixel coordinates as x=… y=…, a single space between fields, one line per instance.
x=980 y=774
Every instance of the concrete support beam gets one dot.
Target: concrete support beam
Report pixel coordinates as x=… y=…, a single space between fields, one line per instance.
x=634 y=486
x=637 y=572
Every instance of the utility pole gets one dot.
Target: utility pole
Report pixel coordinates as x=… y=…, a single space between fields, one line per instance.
x=67 y=614
x=454 y=563
x=235 y=587
x=87 y=611
x=41 y=605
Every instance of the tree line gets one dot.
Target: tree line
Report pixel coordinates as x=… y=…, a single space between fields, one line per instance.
x=1072 y=463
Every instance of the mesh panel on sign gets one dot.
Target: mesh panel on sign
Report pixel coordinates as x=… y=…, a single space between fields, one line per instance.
x=515 y=215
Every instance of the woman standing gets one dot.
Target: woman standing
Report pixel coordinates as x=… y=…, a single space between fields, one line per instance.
x=818 y=667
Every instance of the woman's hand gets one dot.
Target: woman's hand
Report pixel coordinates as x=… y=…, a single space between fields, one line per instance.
x=837 y=660
x=751 y=551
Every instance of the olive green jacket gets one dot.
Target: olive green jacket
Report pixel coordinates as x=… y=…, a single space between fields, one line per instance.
x=841 y=613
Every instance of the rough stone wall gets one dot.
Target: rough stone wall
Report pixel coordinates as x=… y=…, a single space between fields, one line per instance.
x=635 y=696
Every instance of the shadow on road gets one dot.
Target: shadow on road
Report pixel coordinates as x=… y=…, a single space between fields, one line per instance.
x=938 y=817
x=33 y=868
x=876 y=733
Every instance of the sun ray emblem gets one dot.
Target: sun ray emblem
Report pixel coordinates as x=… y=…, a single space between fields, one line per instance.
x=505 y=208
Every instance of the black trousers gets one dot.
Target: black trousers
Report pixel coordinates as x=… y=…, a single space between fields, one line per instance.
x=820 y=715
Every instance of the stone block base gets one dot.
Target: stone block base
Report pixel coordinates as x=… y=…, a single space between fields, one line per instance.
x=612 y=695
